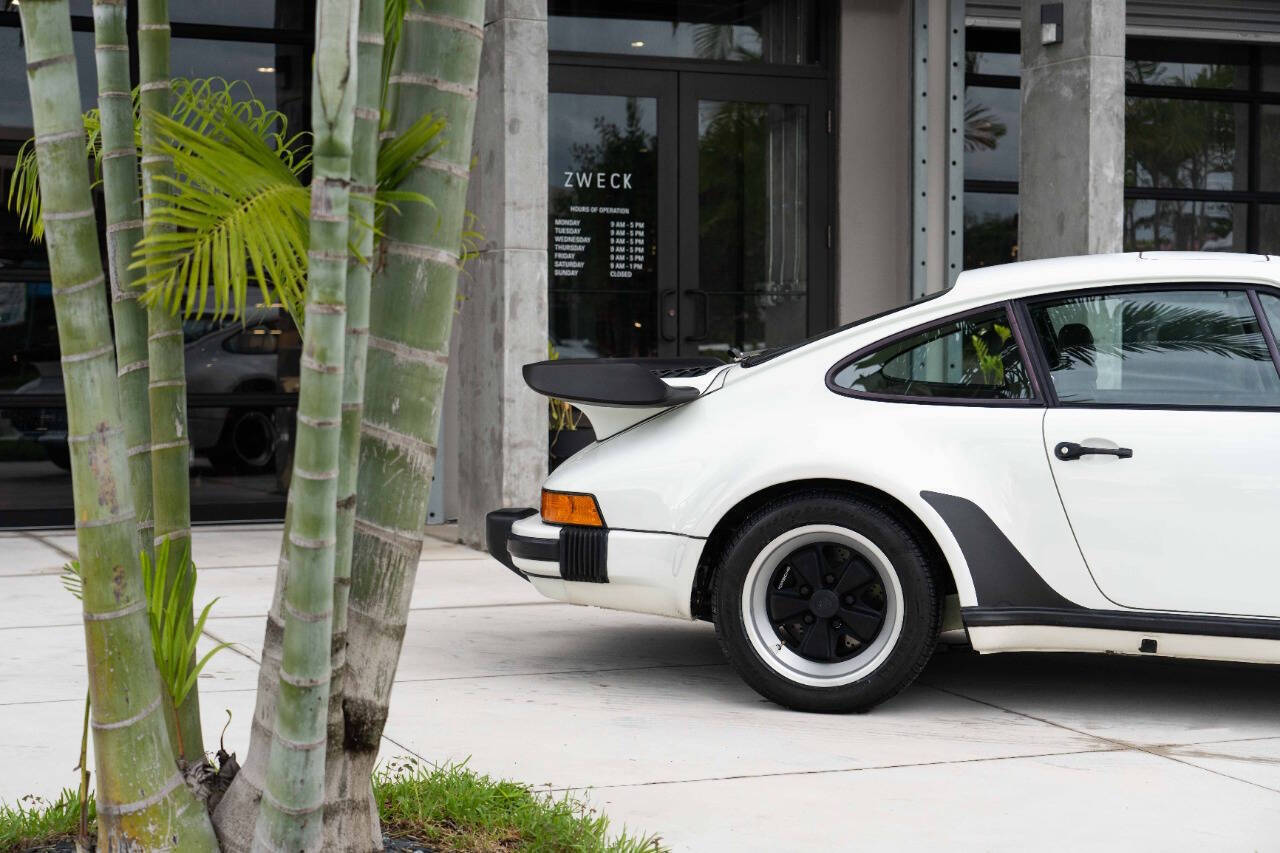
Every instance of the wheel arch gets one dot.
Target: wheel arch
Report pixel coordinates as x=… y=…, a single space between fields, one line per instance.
x=713 y=551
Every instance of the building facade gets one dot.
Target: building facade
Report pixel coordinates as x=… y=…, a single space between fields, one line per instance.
x=688 y=177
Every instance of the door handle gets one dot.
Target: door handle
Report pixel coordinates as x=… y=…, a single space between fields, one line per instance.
x=706 y=311
x=667 y=314
x=1069 y=450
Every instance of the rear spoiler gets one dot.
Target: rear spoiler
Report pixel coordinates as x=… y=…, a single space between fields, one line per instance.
x=618 y=382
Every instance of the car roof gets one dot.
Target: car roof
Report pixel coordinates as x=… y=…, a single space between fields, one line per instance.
x=1023 y=277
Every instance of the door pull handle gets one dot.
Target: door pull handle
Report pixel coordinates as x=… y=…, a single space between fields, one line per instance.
x=1069 y=450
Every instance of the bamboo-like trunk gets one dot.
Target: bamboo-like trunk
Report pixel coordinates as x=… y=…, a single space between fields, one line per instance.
x=364 y=178
x=291 y=811
x=167 y=387
x=237 y=811
x=411 y=314
x=124 y=227
x=142 y=802
x=242 y=799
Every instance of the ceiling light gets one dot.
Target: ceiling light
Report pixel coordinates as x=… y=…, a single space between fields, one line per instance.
x=637 y=44
x=267 y=69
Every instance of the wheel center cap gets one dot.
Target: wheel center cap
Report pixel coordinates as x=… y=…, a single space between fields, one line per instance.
x=824 y=604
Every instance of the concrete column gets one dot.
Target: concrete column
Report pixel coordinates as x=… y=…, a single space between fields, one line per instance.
x=873 y=249
x=501 y=436
x=1071 y=175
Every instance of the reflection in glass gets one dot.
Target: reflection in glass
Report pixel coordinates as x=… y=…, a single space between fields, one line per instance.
x=749 y=322
x=973 y=358
x=776 y=31
x=15 y=101
x=1198 y=226
x=1268 y=229
x=1186 y=144
x=996 y=64
x=271 y=14
x=1271 y=308
x=753 y=222
x=1201 y=348
x=1198 y=75
x=602 y=225
x=277 y=73
x=239 y=449
x=990 y=229
x=1269 y=147
x=991 y=133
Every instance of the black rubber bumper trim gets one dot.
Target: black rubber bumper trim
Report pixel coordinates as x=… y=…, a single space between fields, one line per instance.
x=1240 y=627
x=533 y=548
x=497 y=530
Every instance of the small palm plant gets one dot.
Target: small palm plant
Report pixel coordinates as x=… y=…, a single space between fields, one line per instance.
x=173 y=639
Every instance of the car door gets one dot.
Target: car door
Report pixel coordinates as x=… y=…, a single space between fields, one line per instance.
x=1165 y=443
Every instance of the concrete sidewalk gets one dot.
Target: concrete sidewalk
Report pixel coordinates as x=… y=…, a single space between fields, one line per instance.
x=1003 y=752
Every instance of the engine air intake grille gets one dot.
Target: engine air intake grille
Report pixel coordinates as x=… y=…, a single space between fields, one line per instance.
x=582 y=554
x=682 y=372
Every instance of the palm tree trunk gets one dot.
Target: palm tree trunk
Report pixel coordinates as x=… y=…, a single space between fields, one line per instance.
x=167 y=387
x=124 y=226
x=364 y=177
x=233 y=817
x=142 y=801
x=411 y=314
x=237 y=811
x=291 y=811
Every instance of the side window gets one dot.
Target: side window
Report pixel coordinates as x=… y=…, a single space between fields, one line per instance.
x=1271 y=308
x=975 y=358
x=1171 y=348
x=253 y=340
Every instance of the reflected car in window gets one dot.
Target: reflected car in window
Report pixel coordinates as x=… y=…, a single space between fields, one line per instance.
x=223 y=356
x=1076 y=454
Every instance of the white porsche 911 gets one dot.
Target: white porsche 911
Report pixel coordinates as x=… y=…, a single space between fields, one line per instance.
x=1069 y=455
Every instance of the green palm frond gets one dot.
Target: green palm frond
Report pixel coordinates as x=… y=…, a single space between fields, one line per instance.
x=168 y=603
x=399 y=155
x=239 y=213
x=23 y=197
x=73 y=579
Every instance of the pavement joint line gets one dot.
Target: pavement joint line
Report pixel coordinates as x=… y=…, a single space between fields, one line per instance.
x=215 y=617
x=834 y=770
x=41 y=571
x=30 y=534
x=1147 y=750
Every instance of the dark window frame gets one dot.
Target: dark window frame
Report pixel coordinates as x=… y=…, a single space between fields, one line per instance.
x=1254 y=97
x=1040 y=361
x=1009 y=306
x=201 y=513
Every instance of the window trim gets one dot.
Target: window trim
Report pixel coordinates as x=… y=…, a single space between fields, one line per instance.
x=1040 y=363
x=1009 y=306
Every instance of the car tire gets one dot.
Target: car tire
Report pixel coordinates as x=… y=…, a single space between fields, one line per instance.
x=798 y=595
x=247 y=444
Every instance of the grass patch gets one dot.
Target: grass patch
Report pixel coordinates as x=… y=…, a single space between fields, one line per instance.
x=449 y=807
x=454 y=808
x=34 y=821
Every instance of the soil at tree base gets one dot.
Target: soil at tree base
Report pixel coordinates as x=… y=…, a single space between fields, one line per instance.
x=392 y=845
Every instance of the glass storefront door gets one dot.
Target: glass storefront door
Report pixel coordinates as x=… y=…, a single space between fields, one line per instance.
x=687 y=212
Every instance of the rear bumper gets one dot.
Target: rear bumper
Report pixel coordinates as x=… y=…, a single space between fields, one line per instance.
x=641 y=571
x=497 y=531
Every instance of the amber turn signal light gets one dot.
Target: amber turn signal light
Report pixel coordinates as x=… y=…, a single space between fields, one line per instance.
x=567 y=508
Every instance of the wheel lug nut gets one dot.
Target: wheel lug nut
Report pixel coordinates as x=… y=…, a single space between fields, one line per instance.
x=804 y=590
x=830 y=579
x=808 y=618
x=848 y=599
